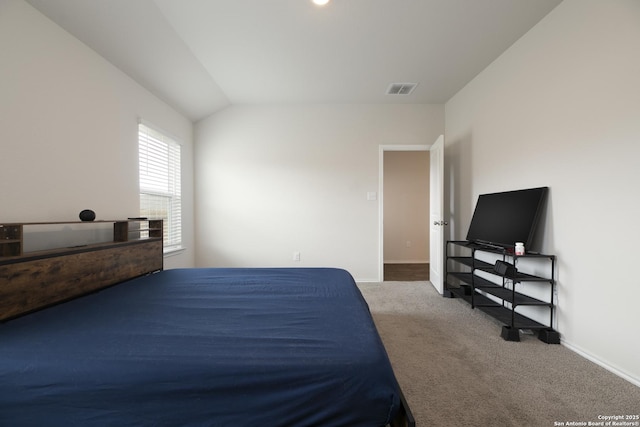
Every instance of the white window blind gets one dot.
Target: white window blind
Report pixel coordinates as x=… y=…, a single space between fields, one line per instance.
x=159 y=157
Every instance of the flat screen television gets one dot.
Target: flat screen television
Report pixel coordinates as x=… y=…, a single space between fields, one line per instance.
x=502 y=219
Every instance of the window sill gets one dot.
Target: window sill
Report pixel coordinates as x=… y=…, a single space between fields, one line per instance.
x=173 y=251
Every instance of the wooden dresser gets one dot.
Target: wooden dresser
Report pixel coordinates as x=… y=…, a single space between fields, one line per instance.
x=33 y=280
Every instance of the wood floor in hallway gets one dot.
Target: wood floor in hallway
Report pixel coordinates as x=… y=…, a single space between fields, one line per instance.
x=406 y=272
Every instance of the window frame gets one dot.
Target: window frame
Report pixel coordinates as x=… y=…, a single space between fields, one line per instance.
x=160 y=182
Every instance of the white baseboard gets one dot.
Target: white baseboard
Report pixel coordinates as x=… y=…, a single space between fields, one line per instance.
x=411 y=261
x=624 y=375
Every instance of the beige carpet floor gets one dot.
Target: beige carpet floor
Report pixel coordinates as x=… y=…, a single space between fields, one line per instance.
x=456 y=370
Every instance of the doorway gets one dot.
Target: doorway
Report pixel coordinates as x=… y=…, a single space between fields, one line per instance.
x=405 y=213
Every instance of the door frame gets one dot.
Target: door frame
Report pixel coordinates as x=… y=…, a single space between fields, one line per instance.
x=381 y=151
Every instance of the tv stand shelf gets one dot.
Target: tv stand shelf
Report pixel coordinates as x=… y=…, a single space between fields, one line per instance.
x=476 y=281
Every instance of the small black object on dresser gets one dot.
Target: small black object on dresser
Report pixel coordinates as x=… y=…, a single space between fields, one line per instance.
x=87 y=215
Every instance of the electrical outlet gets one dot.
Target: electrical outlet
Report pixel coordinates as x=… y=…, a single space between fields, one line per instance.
x=296 y=256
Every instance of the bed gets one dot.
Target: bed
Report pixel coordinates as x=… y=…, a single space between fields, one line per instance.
x=202 y=347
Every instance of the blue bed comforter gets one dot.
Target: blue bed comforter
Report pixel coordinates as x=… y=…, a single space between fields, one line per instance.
x=201 y=347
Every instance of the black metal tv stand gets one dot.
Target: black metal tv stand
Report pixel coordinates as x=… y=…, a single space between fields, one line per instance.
x=470 y=275
x=490 y=246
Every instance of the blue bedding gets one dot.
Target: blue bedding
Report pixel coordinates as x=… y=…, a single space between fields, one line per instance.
x=201 y=347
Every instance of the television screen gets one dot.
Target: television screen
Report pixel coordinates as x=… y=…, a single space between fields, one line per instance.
x=502 y=219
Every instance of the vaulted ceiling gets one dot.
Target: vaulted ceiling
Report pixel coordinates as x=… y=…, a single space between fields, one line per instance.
x=203 y=55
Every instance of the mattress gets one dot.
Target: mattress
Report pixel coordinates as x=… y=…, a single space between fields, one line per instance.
x=201 y=347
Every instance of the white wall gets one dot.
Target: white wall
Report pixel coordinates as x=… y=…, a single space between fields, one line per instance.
x=273 y=180
x=68 y=128
x=406 y=207
x=562 y=108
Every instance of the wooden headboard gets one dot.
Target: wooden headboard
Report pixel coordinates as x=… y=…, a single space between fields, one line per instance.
x=31 y=281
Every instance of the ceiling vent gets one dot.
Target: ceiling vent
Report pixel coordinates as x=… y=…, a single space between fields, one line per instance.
x=401 y=88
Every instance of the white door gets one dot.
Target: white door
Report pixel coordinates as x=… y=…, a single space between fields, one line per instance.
x=437 y=223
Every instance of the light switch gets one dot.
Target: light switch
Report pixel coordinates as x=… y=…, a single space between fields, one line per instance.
x=372 y=195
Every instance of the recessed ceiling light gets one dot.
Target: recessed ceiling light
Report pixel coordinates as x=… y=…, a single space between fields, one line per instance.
x=320 y=2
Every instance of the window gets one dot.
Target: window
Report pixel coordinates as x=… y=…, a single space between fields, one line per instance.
x=159 y=157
